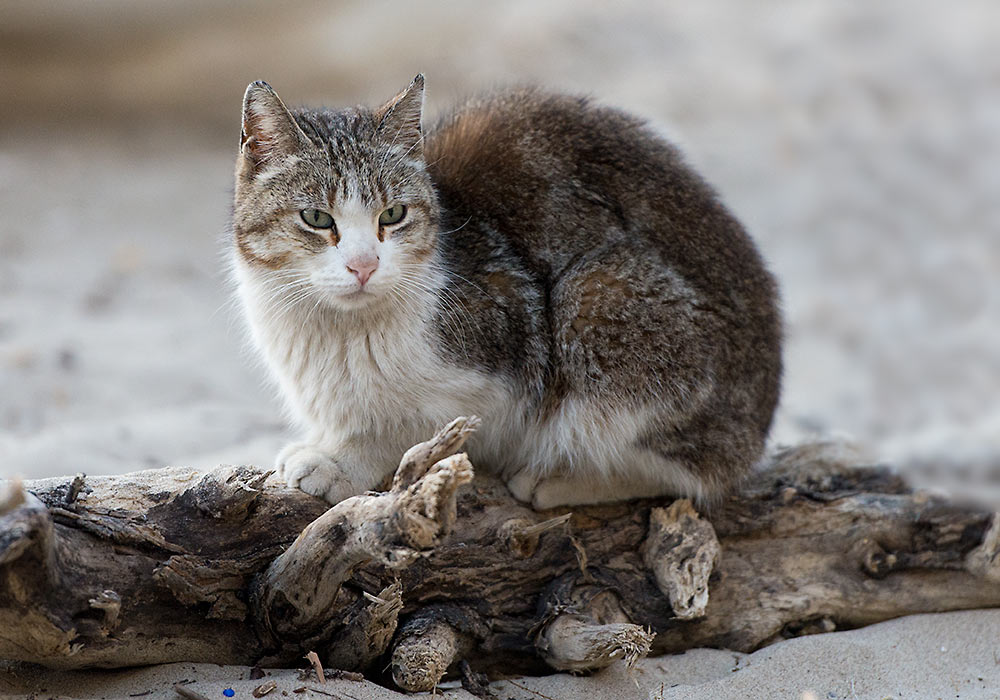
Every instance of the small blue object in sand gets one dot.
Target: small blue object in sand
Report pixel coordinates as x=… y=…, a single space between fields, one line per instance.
x=229 y=692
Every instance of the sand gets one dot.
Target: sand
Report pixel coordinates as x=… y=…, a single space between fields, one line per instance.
x=858 y=141
x=950 y=655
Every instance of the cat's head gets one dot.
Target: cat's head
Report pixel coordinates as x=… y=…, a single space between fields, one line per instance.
x=334 y=206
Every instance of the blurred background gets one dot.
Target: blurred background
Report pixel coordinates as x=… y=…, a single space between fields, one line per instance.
x=859 y=142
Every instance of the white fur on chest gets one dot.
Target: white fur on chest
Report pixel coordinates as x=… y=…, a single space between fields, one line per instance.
x=373 y=376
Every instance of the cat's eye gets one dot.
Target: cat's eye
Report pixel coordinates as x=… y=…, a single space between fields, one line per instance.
x=392 y=215
x=317 y=218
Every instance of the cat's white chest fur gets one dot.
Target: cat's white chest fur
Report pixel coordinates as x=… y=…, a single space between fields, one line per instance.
x=374 y=382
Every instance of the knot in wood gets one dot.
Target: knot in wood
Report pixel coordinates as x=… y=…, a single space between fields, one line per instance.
x=878 y=563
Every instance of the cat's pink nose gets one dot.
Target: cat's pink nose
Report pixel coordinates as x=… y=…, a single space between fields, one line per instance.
x=363 y=268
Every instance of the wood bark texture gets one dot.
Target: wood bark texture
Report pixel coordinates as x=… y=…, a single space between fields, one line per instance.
x=233 y=568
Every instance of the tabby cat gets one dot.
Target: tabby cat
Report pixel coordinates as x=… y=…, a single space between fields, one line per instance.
x=546 y=263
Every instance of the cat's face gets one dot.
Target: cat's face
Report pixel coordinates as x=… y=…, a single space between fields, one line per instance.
x=335 y=208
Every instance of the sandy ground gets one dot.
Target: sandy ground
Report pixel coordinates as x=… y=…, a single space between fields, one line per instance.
x=952 y=655
x=860 y=142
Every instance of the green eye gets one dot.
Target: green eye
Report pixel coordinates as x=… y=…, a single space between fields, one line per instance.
x=392 y=215
x=317 y=218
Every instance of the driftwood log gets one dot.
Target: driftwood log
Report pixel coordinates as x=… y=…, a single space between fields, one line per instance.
x=229 y=567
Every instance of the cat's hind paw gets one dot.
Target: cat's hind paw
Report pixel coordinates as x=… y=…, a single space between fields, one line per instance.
x=561 y=491
x=522 y=485
x=316 y=472
x=544 y=493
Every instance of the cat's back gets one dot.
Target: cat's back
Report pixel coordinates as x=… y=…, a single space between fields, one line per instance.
x=552 y=177
x=527 y=164
x=529 y=131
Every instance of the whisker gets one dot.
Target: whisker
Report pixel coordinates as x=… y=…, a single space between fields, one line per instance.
x=445 y=233
x=453 y=321
x=412 y=175
x=389 y=150
x=416 y=143
x=451 y=309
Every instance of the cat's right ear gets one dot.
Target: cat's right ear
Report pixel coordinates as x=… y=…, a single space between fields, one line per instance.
x=269 y=130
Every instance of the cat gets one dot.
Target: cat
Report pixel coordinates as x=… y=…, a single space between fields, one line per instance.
x=548 y=264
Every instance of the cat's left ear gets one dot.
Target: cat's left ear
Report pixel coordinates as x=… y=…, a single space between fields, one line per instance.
x=269 y=130
x=399 y=118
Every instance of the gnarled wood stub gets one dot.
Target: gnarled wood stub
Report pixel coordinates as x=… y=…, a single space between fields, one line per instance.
x=230 y=567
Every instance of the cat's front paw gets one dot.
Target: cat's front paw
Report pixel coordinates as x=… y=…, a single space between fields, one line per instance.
x=315 y=471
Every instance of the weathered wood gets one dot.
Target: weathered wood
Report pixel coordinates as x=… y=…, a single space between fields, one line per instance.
x=595 y=634
x=297 y=596
x=681 y=550
x=428 y=644
x=231 y=567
